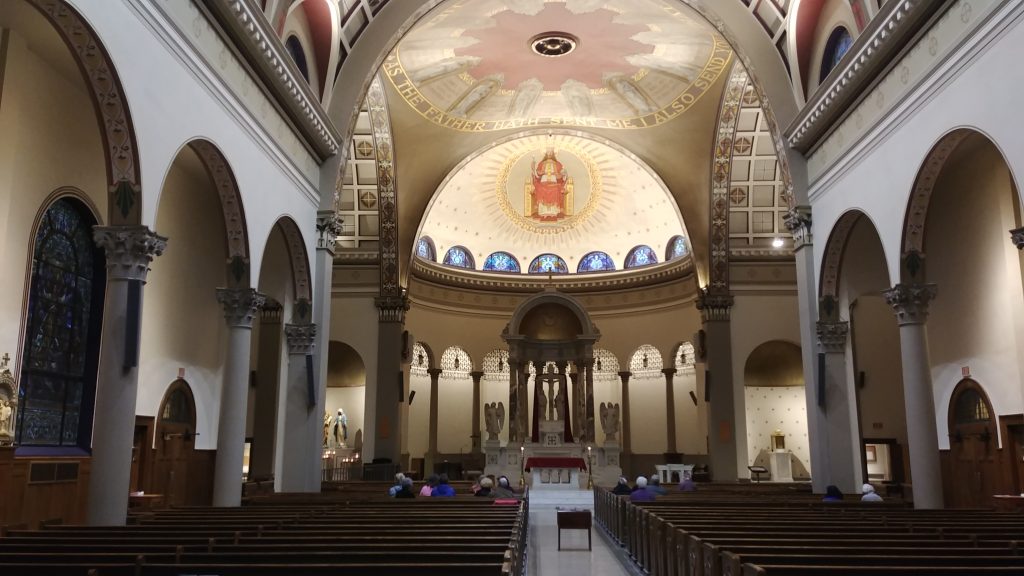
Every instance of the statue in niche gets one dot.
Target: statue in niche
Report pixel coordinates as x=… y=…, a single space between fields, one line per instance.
x=340 y=428
x=328 y=420
x=494 y=419
x=609 y=420
x=5 y=417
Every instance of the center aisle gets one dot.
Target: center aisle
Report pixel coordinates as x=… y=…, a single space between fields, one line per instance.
x=543 y=556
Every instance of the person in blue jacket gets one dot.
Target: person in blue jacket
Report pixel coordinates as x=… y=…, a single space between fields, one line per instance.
x=443 y=489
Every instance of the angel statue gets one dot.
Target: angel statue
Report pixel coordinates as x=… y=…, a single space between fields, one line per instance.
x=494 y=418
x=609 y=420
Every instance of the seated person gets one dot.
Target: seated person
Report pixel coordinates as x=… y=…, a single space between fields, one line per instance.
x=504 y=489
x=641 y=493
x=687 y=484
x=869 y=494
x=654 y=485
x=485 y=488
x=398 y=485
x=429 y=486
x=832 y=494
x=622 y=488
x=406 y=491
x=443 y=489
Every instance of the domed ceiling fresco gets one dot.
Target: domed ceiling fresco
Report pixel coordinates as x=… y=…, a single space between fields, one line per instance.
x=480 y=65
x=558 y=193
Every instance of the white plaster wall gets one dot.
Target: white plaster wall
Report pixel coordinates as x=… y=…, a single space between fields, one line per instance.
x=648 y=414
x=454 y=415
x=876 y=341
x=690 y=435
x=771 y=408
x=418 y=433
x=353 y=400
x=49 y=138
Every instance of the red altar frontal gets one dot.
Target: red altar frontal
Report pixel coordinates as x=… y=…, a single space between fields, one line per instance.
x=568 y=463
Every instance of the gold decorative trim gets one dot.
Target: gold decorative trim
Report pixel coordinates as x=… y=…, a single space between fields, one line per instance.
x=501 y=189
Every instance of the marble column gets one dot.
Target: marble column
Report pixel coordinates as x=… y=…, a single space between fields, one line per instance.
x=800 y=224
x=129 y=251
x=910 y=302
x=475 y=430
x=715 y=308
x=514 y=403
x=525 y=422
x=391 y=323
x=240 y=306
x=670 y=409
x=590 y=412
x=328 y=228
x=268 y=376
x=299 y=413
x=431 y=456
x=627 y=446
x=840 y=429
x=578 y=411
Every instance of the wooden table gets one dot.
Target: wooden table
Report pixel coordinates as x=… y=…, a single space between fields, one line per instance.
x=574 y=520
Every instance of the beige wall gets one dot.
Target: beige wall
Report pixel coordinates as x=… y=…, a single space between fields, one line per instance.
x=783 y=408
x=353 y=400
x=49 y=139
x=876 y=343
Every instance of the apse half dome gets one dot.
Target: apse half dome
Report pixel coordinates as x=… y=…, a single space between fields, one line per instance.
x=563 y=202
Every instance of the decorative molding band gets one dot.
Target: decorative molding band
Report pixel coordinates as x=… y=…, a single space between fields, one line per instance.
x=910 y=302
x=259 y=45
x=799 y=223
x=832 y=336
x=759 y=253
x=714 y=307
x=571 y=283
x=240 y=305
x=345 y=257
x=721 y=177
x=387 y=188
x=871 y=56
x=392 y=308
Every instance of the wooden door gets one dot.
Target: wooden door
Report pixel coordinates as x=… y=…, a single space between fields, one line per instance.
x=972 y=447
x=1014 y=442
x=175 y=445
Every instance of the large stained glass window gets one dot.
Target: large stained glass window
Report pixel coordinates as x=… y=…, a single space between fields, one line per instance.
x=641 y=255
x=676 y=248
x=460 y=257
x=58 y=367
x=548 y=264
x=839 y=43
x=425 y=249
x=501 y=262
x=595 y=261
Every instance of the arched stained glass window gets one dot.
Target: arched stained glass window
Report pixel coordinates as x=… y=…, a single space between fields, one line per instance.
x=501 y=262
x=595 y=261
x=420 y=360
x=62 y=332
x=460 y=257
x=496 y=365
x=456 y=363
x=839 y=43
x=641 y=255
x=646 y=361
x=298 y=55
x=676 y=248
x=548 y=264
x=425 y=249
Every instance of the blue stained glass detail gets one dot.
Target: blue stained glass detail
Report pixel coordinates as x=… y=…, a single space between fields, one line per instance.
x=641 y=255
x=838 y=44
x=548 y=264
x=676 y=248
x=459 y=257
x=595 y=261
x=425 y=249
x=501 y=262
x=59 y=360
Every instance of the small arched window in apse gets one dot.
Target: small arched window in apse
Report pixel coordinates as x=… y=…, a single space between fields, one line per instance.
x=298 y=55
x=685 y=357
x=501 y=262
x=459 y=257
x=606 y=365
x=838 y=44
x=646 y=362
x=595 y=261
x=676 y=248
x=456 y=363
x=496 y=365
x=62 y=331
x=641 y=255
x=425 y=249
x=548 y=264
x=420 y=360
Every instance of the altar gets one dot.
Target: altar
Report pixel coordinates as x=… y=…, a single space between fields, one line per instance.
x=560 y=473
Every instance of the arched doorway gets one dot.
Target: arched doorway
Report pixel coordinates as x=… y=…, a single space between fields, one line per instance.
x=972 y=448
x=776 y=407
x=177 y=472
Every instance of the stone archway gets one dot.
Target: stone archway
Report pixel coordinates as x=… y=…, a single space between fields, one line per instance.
x=972 y=471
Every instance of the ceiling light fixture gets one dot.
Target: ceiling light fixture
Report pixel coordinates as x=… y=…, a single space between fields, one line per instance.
x=553 y=44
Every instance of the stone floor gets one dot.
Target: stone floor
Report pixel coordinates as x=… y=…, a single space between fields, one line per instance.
x=544 y=558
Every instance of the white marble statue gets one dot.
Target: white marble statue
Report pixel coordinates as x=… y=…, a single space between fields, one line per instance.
x=5 y=417
x=609 y=420
x=340 y=428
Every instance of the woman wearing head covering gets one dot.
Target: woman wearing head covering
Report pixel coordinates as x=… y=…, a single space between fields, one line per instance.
x=641 y=493
x=485 y=488
x=429 y=486
x=869 y=494
x=832 y=494
x=504 y=488
x=406 y=491
x=622 y=488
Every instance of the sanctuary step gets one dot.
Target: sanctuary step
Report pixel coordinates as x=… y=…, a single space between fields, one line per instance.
x=549 y=499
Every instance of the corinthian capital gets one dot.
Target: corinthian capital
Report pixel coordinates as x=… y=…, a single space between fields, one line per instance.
x=328 y=227
x=392 y=308
x=832 y=336
x=240 y=305
x=714 y=306
x=910 y=301
x=128 y=249
x=1017 y=237
x=798 y=222
x=301 y=338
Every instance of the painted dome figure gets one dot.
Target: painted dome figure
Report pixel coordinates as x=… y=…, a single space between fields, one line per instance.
x=549 y=193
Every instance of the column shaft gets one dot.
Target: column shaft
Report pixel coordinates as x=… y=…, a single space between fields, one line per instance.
x=627 y=446
x=670 y=409
x=328 y=226
x=589 y=377
x=387 y=432
x=722 y=410
x=129 y=250
x=839 y=427
x=435 y=375
x=268 y=376
x=475 y=430
x=514 y=405
x=299 y=413
x=240 y=305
